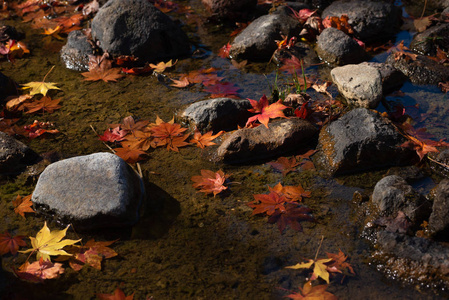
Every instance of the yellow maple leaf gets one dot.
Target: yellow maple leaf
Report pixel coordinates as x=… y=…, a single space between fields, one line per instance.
x=160 y=67
x=48 y=243
x=40 y=87
x=319 y=269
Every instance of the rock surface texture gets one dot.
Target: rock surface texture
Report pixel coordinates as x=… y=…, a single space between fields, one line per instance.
x=361 y=140
x=75 y=53
x=280 y=137
x=14 y=155
x=92 y=191
x=371 y=20
x=135 y=27
x=361 y=85
x=218 y=114
x=336 y=47
x=439 y=221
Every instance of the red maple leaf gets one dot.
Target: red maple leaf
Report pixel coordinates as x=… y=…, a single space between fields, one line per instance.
x=118 y=295
x=113 y=135
x=10 y=244
x=292 y=215
x=303 y=14
x=264 y=112
x=223 y=89
x=268 y=203
x=224 y=51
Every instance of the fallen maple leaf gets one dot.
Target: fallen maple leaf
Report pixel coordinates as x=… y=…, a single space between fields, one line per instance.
x=444 y=86
x=210 y=182
x=339 y=262
x=39 y=270
x=47 y=243
x=265 y=112
x=401 y=51
x=399 y=224
x=92 y=253
x=222 y=89
x=23 y=205
x=285 y=165
x=160 y=67
x=309 y=292
x=182 y=83
x=113 y=135
x=319 y=270
x=118 y=295
x=40 y=87
x=292 y=193
x=141 y=140
x=421 y=24
x=45 y=104
x=39 y=128
x=106 y=75
x=293 y=215
x=10 y=244
x=129 y=155
x=169 y=134
x=268 y=203
x=204 y=140
x=224 y=51
x=303 y=14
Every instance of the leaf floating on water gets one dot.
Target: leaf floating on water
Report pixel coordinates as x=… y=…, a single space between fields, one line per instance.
x=210 y=182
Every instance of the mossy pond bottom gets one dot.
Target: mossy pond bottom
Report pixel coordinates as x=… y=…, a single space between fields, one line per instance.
x=188 y=245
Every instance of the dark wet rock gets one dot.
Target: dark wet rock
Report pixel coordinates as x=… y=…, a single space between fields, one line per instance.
x=92 y=191
x=427 y=42
x=14 y=155
x=7 y=86
x=336 y=47
x=318 y=4
x=361 y=85
x=439 y=221
x=423 y=70
x=393 y=194
x=218 y=114
x=281 y=136
x=229 y=9
x=8 y=32
x=135 y=27
x=75 y=53
x=413 y=259
x=410 y=174
x=361 y=140
x=392 y=79
x=257 y=42
x=439 y=163
x=371 y=20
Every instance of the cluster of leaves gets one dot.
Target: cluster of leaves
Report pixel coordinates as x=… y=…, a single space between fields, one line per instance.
x=283 y=206
x=335 y=264
x=37 y=101
x=136 y=138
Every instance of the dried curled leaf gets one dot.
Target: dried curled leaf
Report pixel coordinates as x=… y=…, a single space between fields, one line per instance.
x=210 y=182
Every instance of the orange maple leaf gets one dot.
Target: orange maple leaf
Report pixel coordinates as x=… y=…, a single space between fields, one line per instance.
x=129 y=155
x=268 y=203
x=265 y=112
x=118 y=295
x=141 y=140
x=210 y=182
x=10 y=244
x=23 y=205
x=339 y=262
x=169 y=134
x=292 y=193
x=181 y=83
x=204 y=140
x=46 y=104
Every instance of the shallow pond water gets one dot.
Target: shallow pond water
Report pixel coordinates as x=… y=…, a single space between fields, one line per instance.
x=188 y=245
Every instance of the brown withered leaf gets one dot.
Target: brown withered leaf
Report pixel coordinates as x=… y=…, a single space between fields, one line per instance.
x=181 y=83
x=15 y=102
x=285 y=165
x=106 y=75
x=46 y=104
x=10 y=244
x=129 y=155
x=309 y=292
x=23 y=205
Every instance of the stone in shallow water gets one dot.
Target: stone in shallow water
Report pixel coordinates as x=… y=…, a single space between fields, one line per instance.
x=92 y=191
x=361 y=140
x=14 y=155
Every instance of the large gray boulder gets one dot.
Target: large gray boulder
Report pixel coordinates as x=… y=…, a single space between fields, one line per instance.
x=361 y=140
x=392 y=79
x=14 y=155
x=217 y=114
x=371 y=20
x=229 y=9
x=336 y=47
x=281 y=136
x=136 y=27
x=361 y=85
x=257 y=42
x=92 y=191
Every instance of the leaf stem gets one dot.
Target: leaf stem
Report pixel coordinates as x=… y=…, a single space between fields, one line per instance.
x=48 y=73
x=318 y=251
